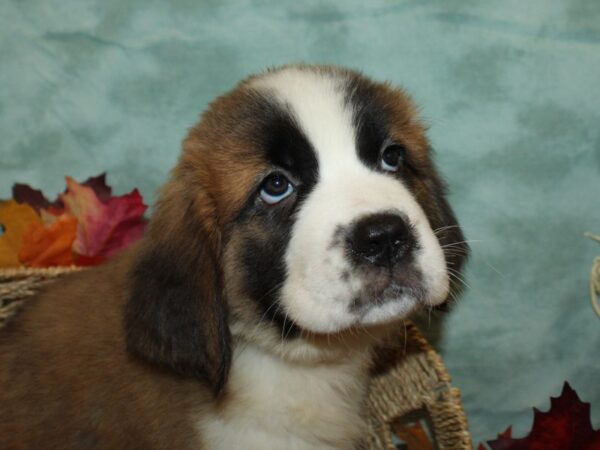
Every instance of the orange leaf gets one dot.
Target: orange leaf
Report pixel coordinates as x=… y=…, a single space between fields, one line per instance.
x=52 y=246
x=14 y=219
x=413 y=435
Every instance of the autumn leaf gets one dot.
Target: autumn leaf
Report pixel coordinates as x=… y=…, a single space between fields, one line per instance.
x=49 y=246
x=24 y=193
x=566 y=426
x=413 y=435
x=14 y=220
x=104 y=227
x=505 y=434
x=126 y=213
x=99 y=186
x=84 y=225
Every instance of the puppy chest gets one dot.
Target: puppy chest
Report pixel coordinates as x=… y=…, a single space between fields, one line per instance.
x=275 y=405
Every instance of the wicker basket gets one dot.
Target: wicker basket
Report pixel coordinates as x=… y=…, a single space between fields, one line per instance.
x=410 y=383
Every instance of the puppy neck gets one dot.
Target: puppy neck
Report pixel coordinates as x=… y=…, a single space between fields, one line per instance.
x=296 y=401
x=311 y=349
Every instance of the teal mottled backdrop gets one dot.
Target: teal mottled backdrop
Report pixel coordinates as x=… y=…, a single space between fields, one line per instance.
x=510 y=89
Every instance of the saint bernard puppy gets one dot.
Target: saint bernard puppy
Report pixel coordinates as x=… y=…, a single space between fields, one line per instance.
x=303 y=222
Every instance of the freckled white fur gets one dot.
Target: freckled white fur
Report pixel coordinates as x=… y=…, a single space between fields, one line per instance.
x=283 y=405
x=315 y=295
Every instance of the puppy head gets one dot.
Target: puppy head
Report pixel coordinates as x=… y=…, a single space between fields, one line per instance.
x=305 y=202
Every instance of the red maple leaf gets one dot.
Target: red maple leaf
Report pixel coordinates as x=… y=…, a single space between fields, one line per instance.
x=103 y=228
x=566 y=426
x=505 y=434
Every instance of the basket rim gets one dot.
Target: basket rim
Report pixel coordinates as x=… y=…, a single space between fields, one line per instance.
x=7 y=273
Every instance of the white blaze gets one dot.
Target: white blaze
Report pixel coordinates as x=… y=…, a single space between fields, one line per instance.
x=316 y=295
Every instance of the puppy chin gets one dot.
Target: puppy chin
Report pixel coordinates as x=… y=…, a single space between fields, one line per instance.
x=330 y=322
x=390 y=311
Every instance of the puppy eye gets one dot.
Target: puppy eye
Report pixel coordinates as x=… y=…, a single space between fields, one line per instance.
x=275 y=188
x=392 y=157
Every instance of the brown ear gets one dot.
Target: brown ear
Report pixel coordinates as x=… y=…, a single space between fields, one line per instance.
x=175 y=316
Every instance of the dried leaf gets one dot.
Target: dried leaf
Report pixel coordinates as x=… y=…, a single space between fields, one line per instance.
x=104 y=227
x=49 y=246
x=99 y=186
x=413 y=435
x=566 y=426
x=103 y=224
x=505 y=434
x=23 y=193
x=14 y=219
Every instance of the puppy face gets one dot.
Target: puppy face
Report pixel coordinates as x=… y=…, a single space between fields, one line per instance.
x=307 y=200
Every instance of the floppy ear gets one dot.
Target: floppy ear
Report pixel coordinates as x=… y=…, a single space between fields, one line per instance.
x=175 y=316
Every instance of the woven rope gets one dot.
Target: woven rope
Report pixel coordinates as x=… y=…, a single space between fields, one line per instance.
x=416 y=380
x=18 y=284
x=412 y=376
x=595 y=279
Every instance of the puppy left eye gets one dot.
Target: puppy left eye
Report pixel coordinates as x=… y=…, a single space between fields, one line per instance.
x=392 y=158
x=275 y=188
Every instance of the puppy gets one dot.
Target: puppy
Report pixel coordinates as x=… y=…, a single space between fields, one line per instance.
x=303 y=221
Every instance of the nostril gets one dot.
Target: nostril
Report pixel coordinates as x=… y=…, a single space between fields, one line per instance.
x=401 y=248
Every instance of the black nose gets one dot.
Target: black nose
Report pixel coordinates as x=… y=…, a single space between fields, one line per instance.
x=381 y=239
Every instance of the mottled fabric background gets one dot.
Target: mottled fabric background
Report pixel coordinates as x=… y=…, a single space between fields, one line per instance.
x=511 y=91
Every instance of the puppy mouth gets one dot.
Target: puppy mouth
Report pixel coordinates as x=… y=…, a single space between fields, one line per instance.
x=372 y=297
x=386 y=285
x=364 y=303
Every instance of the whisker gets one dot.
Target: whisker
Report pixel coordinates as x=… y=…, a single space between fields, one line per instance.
x=455 y=251
x=457 y=276
x=442 y=229
x=264 y=315
x=366 y=330
x=289 y=329
x=468 y=241
x=453 y=298
x=283 y=327
x=494 y=269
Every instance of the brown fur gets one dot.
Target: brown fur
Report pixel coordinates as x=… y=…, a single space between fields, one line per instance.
x=112 y=357
x=64 y=362
x=64 y=358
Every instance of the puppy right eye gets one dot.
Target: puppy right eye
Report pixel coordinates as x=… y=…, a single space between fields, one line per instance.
x=275 y=188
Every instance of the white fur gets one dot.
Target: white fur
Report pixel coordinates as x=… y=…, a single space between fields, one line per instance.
x=315 y=295
x=282 y=405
